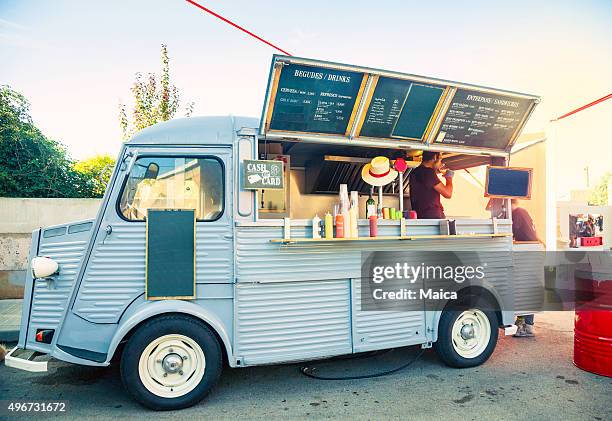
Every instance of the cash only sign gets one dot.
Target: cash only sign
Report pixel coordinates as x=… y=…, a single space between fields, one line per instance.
x=262 y=174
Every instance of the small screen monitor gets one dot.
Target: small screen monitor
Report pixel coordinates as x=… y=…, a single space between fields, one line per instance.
x=508 y=182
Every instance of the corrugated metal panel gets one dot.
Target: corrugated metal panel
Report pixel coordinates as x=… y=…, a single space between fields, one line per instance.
x=528 y=275
x=50 y=297
x=292 y=320
x=257 y=259
x=115 y=275
x=385 y=329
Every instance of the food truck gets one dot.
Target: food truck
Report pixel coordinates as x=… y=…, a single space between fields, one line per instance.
x=206 y=251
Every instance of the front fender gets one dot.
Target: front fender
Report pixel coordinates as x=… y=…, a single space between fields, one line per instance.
x=145 y=310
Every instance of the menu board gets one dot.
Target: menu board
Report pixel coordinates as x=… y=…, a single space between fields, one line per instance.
x=400 y=108
x=314 y=99
x=306 y=98
x=385 y=107
x=481 y=119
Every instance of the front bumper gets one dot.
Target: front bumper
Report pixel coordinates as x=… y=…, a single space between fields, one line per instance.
x=16 y=359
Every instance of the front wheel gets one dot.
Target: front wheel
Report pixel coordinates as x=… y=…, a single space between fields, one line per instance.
x=466 y=337
x=171 y=362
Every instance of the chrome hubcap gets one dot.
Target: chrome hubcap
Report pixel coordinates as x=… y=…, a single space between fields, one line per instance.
x=172 y=363
x=467 y=332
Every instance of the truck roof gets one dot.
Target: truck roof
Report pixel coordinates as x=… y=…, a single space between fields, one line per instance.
x=194 y=131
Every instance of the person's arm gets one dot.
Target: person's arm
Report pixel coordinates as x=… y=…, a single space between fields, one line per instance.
x=445 y=190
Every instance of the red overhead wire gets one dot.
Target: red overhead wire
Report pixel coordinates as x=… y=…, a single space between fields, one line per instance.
x=584 y=107
x=237 y=26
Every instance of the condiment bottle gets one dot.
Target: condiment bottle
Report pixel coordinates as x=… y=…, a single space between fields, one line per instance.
x=339 y=226
x=316 y=227
x=329 y=226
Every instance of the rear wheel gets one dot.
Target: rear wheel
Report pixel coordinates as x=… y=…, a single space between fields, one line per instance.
x=467 y=335
x=171 y=362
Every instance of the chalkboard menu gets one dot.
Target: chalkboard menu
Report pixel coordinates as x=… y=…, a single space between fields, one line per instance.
x=262 y=174
x=170 y=256
x=385 y=107
x=508 y=182
x=314 y=99
x=481 y=119
x=400 y=108
x=352 y=104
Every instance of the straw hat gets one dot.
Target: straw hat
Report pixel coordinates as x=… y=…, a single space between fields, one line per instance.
x=378 y=172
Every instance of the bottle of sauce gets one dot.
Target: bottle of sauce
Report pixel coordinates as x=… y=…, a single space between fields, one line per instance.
x=329 y=226
x=339 y=226
x=316 y=227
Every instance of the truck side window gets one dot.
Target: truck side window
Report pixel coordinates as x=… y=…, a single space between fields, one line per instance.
x=174 y=183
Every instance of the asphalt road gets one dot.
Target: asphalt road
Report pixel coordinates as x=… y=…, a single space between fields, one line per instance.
x=525 y=379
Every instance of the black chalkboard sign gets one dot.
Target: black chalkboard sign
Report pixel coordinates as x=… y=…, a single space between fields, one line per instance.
x=385 y=107
x=170 y=254
x=508 y=182
x=417 y=111
x=400 y=108
x=314 y=99
x=482 y=120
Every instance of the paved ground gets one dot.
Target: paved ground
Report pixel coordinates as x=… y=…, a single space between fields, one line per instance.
x=10 y=319
x=526 y=379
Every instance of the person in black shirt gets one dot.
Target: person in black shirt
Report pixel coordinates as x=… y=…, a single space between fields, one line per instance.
x=426 y=187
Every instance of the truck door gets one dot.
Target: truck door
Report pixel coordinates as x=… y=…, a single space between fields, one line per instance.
x=160 y=178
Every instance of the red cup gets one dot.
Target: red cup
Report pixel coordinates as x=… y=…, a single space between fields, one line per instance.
x=373 y=225
x=412 y=215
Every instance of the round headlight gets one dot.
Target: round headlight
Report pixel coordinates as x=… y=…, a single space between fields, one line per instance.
x=43 y=267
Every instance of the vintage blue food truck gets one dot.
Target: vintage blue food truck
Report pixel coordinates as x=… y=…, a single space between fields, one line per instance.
x=193 y=262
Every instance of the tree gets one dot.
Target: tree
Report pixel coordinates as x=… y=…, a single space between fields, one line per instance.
x=156 y=99
x=599 y=196
x=97 y=170
x=32 y=165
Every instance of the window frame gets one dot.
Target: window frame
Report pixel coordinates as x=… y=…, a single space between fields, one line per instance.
x=196 y=156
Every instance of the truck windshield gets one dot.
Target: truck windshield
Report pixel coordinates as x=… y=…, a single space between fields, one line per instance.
x=174 y=183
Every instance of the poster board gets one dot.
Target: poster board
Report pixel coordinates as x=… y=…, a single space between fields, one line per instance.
x=508 y=182
x=170 y=254
x=312 y=100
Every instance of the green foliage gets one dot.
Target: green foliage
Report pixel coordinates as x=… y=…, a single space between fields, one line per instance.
x=97 y=170
x=156 y=99
x=599 y=196
x=32 y=165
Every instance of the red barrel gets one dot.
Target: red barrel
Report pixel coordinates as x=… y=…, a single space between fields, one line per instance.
x=593 y=321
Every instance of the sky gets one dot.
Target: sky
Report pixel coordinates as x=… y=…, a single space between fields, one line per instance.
x=75 y=60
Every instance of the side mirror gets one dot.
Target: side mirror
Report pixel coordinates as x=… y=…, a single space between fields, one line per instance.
x=43 y=267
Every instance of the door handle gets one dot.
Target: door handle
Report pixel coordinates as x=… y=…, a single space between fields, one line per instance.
x=228 y=237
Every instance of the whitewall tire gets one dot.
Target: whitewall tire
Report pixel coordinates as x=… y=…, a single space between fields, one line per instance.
x=171 y=362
